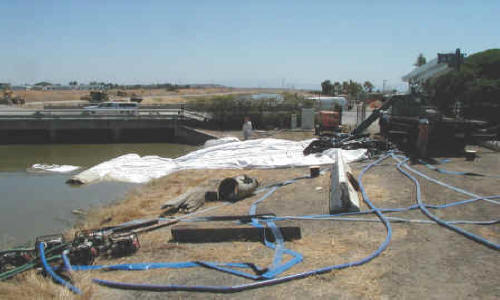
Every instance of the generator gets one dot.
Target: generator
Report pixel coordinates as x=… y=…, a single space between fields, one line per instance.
x=328 y=122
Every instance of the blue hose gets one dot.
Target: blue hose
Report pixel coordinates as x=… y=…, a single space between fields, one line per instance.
x=392 y=219
x=277 y=267
x=384 y=210
x=48 y=269
x=266 y=275
x=448 y=172
x=269 y=282
x=424 y=209
x=454 y=188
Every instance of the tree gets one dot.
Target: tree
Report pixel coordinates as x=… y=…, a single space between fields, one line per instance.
x=337 y=87
x=327 y=87
x=420 y=60
x=368 y=86
x=73 y=84
x=354 y=89
x=345 y=87
x=476 y=86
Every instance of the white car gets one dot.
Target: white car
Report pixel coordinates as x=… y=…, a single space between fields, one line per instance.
x=113 y=108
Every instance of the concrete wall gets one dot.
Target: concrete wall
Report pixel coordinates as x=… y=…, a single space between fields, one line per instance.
x=307 y=120
x=112 y=130
x=188 y=135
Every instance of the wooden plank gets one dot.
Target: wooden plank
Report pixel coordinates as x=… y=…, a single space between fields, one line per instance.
x=209 y=233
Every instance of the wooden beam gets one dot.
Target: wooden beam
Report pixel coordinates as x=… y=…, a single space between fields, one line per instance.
x=214 y=233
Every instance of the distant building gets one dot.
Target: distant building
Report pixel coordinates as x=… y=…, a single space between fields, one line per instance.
x=329 y=103
x=4 y=86
x=442 y=64
x=44 y=85
x=420 y=74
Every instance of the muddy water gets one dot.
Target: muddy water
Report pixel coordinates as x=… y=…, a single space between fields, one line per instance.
x=35 y=204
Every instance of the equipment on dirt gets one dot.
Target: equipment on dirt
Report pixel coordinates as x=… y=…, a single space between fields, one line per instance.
x=124 y=245
x=236 y=188
x=98 y=96
x=373 y=117
x=121 y=93
x=136 y=99
x=400 y=121
x=82 y=254
x=100 y=240
x=51 y=241
x=88 y=244
x=14 y=259
x=8 y=98
x=329 y=122
x=347 y=142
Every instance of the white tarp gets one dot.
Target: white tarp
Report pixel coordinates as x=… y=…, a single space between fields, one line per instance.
x=51 y=168
x=224 y=140
x=259 y=153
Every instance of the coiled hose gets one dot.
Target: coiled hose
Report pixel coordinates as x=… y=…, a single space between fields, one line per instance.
x=277 y=267
x=274 y=281
x=474 y=237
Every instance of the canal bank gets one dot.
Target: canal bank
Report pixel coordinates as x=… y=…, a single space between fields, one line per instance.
x=323 y=243
x=34 y=204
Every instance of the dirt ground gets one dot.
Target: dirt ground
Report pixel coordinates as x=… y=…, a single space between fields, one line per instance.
x=66 y=95
x=423 y=261
x=151 y=96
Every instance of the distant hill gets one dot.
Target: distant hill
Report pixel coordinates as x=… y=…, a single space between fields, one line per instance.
x=206 y=85
x=43 y=83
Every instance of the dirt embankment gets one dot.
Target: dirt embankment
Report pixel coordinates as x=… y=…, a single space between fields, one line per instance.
x=421 y=262
x=69 y=95
x=151 y=96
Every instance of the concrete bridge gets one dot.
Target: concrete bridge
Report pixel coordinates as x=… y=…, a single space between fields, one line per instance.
x=78 y=126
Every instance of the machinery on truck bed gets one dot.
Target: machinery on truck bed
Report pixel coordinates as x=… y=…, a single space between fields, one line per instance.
x=405 y=119
x=98 y=96
x=8 y=97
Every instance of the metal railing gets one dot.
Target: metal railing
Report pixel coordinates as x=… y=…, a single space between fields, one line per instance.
x=112 y=114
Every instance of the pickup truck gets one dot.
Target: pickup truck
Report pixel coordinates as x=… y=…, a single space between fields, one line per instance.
x=113 y=108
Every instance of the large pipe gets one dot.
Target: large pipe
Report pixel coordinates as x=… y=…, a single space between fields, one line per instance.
x=236 y=188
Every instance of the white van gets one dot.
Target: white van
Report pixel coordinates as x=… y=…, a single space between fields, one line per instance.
x=113 y=108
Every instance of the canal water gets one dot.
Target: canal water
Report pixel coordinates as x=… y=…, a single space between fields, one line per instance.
x=36 y=204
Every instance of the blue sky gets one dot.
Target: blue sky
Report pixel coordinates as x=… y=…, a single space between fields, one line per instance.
x=237 y=43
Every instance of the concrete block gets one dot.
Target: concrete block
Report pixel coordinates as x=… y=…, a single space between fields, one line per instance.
x=343 y=196
x=307 y=121
x=293 y=121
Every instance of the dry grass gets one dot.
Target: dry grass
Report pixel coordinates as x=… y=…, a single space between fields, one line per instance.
x=326 y=246
x=151 y=96
x=145 y=202
x=44 y=96
x=30 y=285
x=61 y=95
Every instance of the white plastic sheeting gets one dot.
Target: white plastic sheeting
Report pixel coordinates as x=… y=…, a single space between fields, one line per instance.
x=51 y=168
x=220 y=141
x=260 y=153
